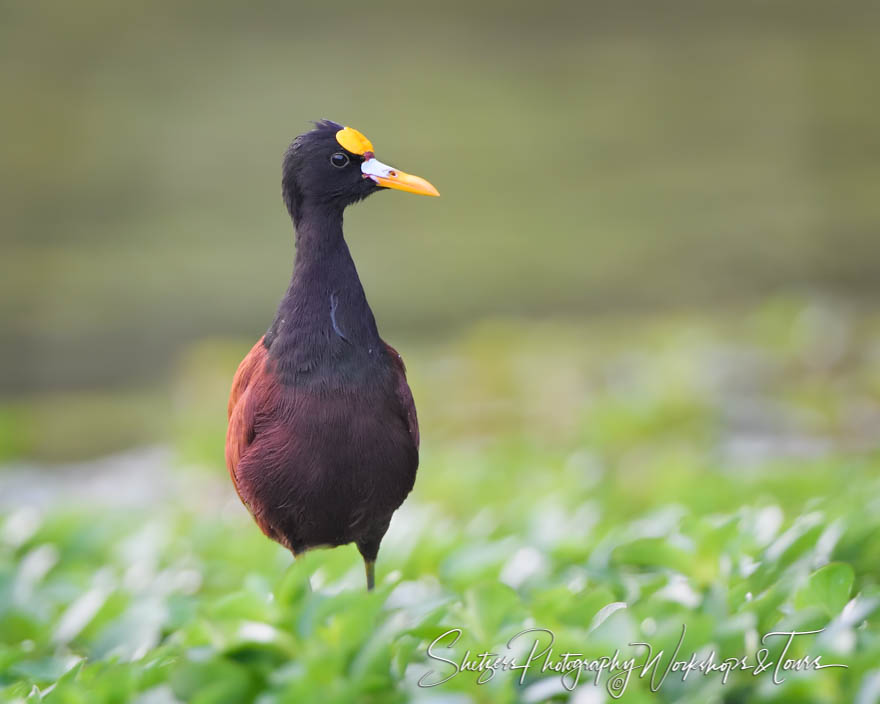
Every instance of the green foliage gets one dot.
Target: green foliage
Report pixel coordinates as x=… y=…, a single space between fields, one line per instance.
x=179 y=605
x=827 y=588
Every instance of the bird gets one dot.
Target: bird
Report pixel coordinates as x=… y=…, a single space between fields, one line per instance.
x=322 y=442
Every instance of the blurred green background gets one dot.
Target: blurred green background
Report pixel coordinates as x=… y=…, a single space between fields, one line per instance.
x=641 y=327
x=592 y=157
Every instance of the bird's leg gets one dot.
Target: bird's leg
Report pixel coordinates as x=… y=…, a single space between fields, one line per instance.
x=371 y=579
x=369 y=550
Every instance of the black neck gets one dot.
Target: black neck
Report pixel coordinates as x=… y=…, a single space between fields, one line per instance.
x=324 y=317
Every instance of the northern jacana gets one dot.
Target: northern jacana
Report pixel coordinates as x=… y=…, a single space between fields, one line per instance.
x=323 y=440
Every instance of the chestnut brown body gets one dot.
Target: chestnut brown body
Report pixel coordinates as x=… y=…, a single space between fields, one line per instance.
x=322 y=464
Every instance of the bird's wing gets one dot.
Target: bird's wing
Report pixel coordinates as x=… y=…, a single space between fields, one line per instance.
x=404 y=395
x=248 y=386
x=254 y=394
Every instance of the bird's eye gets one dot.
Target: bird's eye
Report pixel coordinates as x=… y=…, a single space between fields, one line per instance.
x=339 y=160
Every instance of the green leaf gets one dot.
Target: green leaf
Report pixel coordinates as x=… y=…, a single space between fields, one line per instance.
x=653 y=552
x=828 y=588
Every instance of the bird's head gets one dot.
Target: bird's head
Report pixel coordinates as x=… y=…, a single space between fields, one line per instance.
x=333 y=166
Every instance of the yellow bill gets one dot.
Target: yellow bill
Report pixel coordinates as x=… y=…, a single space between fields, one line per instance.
x=382 y=174
x=389 y=177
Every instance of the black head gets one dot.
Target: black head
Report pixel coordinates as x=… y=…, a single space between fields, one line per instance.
x=321 y=174
x=318 y=172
